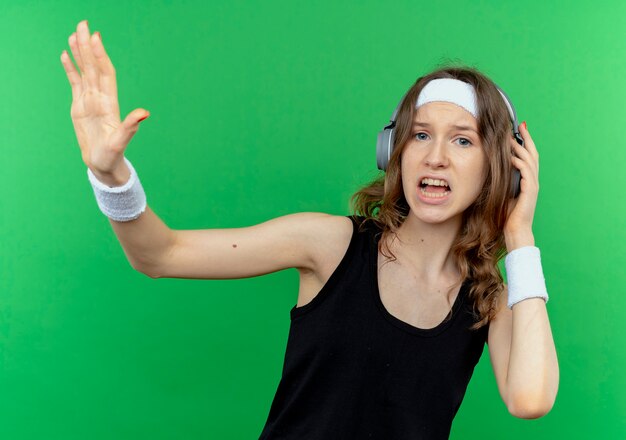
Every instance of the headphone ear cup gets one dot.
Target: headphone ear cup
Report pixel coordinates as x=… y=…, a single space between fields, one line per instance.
x=516 y=180
x=384 y=146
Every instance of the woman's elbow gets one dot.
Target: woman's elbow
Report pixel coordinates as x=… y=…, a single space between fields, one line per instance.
x=530 y=407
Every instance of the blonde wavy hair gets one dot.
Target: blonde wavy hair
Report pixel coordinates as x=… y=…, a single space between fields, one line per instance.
x=480 y=243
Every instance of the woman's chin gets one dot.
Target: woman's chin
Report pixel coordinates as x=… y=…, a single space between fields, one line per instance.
x=426 y=216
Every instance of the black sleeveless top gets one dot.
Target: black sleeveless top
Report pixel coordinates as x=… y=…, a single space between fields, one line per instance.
x=354 y=371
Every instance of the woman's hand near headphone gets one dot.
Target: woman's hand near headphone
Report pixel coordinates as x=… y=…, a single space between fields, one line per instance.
x=518 y=227
x=95 y=111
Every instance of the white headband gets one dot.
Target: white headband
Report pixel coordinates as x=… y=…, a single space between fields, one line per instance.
x=449 y=90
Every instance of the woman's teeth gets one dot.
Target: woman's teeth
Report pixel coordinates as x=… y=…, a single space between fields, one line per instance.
x=434 y=195
x=434 y=182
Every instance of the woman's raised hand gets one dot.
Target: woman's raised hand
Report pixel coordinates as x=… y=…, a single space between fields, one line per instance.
x=95 y=112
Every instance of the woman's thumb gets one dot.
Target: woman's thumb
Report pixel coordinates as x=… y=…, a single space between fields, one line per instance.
x=130 y=125
x=134 y=118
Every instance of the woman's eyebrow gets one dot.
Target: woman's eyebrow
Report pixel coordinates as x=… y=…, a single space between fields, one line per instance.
x=460 y=127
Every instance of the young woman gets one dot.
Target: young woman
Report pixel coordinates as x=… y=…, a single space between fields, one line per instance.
x=396 y=301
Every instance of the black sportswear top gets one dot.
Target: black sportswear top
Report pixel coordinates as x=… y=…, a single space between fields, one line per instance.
x=354 y=371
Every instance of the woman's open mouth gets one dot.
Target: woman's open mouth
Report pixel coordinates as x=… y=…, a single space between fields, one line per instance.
x=434 y=188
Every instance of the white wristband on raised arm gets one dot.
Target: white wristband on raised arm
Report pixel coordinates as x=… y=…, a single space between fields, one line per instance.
x=524 y=275
x=120 y=203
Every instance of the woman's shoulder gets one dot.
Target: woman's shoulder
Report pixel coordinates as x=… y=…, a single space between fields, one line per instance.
x=330 y=231
x=326 y=237
x=322 y=221
x=363 y=225
x=324 y=228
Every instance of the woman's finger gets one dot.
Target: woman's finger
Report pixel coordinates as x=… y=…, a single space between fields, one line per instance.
x=90 y=70
x=531 y=144
x=520 y=151
x=525 y=155
x=73 y=42
x=526 y=158
x=129 y=127
x=529 y=178
x=72 y=75
x=108 y=83
x=528 y=140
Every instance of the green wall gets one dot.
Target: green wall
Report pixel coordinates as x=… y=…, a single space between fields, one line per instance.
x=260 y=109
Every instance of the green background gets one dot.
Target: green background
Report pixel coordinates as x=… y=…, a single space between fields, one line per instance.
x=260 y=109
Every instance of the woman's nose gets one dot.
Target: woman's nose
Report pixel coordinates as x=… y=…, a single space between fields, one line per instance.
x=437 y=155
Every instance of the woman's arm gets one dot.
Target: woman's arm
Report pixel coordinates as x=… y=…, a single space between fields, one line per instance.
x=302 y=240
x=297 y=240
x=520 y=341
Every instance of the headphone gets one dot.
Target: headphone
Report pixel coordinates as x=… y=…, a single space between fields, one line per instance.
x=384 y=145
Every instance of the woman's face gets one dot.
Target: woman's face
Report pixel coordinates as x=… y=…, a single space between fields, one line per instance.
x=440 y=151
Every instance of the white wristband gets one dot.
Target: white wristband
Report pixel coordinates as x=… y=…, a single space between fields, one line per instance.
x=524 y=275
x=120 y=203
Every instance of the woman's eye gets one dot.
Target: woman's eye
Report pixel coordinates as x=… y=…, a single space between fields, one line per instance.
x=466 y=144
x=464 y=141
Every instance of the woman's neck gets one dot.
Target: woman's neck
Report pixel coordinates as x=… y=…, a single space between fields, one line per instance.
x=426 y=248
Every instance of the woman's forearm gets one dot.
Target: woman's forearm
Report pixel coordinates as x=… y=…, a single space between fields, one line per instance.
x=533 y=370
x=533 y=373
